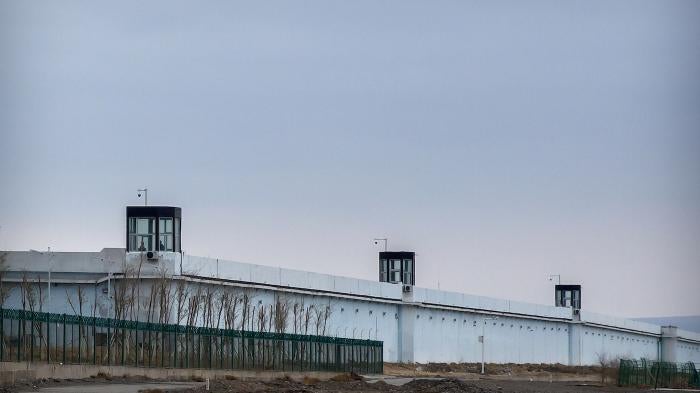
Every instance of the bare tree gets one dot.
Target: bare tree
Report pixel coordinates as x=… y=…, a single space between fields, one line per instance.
x=29 y=298
x=4 y=289
x=246 y=301
x=193 y=306
x=321 y=315
x=231 y=309
x=262 y=318
x=297 y=313
x=122 y=291
x=135 y=286
x=281 y=315
x=182 y=292
x=607 y=364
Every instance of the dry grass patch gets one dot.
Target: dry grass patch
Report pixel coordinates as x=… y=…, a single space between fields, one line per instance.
x=310 y=380
x=104 y=376
x=346 y=377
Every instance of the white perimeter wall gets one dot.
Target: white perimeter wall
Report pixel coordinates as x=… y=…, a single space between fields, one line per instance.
x=443 y=326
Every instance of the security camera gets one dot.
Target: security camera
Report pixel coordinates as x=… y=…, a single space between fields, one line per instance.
x=376 y=242
x=139 y=195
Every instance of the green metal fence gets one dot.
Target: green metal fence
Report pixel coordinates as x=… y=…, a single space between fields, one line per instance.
x=657 y=374
x=68 y=339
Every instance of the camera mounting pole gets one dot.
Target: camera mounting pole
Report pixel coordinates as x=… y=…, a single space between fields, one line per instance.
x=385 y=240
x=145 y=194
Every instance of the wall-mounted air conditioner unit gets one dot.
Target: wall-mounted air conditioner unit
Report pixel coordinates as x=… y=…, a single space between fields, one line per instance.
x=407 y=288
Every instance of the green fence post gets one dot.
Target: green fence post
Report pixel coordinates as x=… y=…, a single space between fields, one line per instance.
x=80 y=341
x=136 y=343
x=124 y=338
x=64 y=338
x=109 y=342
x=221 y=348
x=251 y=350
x=94 y=340
x=231 y=341
x=20 y=333
x=31 y=338
x=177 y=332
x=2 y=334
x=149 y=341
x=48 y=340
x=162 y=345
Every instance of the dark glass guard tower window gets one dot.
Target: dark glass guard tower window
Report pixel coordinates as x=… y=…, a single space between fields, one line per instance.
x=397 y=267
x=153 y=228
x=567 y=296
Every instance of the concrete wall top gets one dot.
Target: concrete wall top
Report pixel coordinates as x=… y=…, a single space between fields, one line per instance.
x=112 y=259
x=606 y=320
x=432 y=296
x=259 y=274
x=689 y=335
x=109 y=259
x=245 y=272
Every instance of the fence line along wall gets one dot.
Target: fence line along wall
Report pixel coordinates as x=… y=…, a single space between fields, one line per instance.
x=658 y=374
x=68 y=339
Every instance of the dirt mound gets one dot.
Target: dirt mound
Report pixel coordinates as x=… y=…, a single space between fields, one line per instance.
x=443 y=369
x=441 y=386
x=346 y=377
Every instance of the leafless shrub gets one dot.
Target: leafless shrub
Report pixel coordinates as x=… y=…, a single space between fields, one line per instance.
x=193 y=305
x=28 y=296
x=281 y=315
x=322 y=314
x=246 y=301
x=261 y=318
x=4 y=289
x=608 y=364
x=231 y=309
x=182 y=292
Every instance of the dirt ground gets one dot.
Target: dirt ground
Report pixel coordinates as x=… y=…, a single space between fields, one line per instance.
x=437 y=377
x=527 y=372
x=449 y=385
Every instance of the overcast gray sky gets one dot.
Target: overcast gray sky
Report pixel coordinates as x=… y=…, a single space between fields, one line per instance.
x=503 y=141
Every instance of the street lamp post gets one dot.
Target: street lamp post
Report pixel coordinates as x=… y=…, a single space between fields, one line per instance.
x=483 y=340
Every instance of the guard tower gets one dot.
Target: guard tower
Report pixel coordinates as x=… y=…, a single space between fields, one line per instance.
x=397 y=267
x=567 y=296
x=153 y=229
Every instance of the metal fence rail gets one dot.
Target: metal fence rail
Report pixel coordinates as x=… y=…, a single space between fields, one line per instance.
x=658 y=374
x=68 y=339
